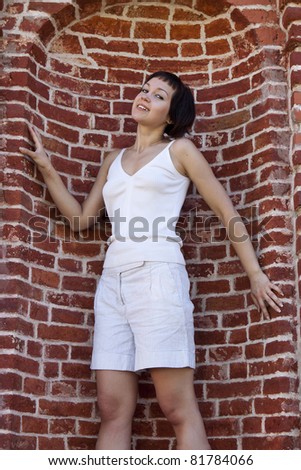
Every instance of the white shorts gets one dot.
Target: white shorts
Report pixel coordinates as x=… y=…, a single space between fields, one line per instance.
x=143 y=318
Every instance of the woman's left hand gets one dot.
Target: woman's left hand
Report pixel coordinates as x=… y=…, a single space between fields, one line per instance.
x=263 y=294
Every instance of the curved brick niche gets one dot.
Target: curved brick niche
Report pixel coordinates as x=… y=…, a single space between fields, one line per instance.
x=85 y=65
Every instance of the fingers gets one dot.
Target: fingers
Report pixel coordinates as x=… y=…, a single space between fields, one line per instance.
x=27 y=152
x=255 y=302
x=37 y=143
x=268 y=299
x=277 y=289
x=35 y=136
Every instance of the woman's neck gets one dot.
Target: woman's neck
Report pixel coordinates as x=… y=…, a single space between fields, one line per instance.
x=147 y=139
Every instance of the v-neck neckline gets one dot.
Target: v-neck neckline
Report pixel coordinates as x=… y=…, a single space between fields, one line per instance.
x=148 y=163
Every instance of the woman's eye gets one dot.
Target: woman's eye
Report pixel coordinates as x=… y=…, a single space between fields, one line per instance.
x=159 y=96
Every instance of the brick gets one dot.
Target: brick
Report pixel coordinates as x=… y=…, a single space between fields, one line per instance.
x=66 y=44
x=54 y=351
x=181 y=32
x=19 y=403
x=225 y=353
x=14 y=268
x=160 y=444
x=45 y=278
x=222 y=122
x=107 y=124
x=9 y=422
x=226 y=390
x=85 y=154
x=51 y=370
x=64 y=408
x=87 y=389
x=71 y=334
x=282 y=424
x=19 y=325
x=279 y=385
x=64 y=388
x=74 y=300
x=62 y=426
x=217 y=47
x=223 y=91
x=10 y=381
x=95 y=140
x=76 y=370
x=255 y=350
x=64 y=132
x=17 y=442
x=34 y=425
x=229 y=302
x=252 y=425
x=81 y=249
x=51 y=443
x=82 y=353
x=238 y=336
x=238 y=371
x=102 y=26
x=63 y=115
x=97 y=106
x=220 y=27
x=183 y=14
x=235 y=407
x=210 y=287
x=11 y=341
x=41 y=25
x=272 y=367
x=212 y=372
x=34 y=386
x=159 y=49
x=271 y=120
x=209 y=8
x=271 y=329
x=147 y=30
x=222 y=427
x=272 y=443
x=67 y=316
x=271 y=406
x=34 y=348
x=38 y=311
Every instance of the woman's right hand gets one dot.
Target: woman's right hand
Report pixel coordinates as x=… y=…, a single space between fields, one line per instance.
x=39 y=156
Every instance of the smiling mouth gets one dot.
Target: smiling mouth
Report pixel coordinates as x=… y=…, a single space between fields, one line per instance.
x=142 y=107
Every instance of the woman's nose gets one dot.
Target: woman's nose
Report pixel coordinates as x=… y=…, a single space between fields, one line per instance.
x=146 y=96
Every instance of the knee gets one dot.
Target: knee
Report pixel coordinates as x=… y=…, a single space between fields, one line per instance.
x=114 y=409
x=173 y=411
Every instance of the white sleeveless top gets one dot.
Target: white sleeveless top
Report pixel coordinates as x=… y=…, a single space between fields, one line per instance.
x=144 y=209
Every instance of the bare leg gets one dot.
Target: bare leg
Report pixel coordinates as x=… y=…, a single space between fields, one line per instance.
x=117 y=397
x=176 y=397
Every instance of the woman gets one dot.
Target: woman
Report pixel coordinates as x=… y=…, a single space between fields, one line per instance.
x=143 y=314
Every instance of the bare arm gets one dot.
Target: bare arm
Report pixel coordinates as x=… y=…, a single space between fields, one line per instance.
x=79 y=216
x=198 y=170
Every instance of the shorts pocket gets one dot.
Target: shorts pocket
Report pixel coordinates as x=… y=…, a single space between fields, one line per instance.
x=166 y=283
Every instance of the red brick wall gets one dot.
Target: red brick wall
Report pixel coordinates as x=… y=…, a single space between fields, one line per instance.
x=72 y=68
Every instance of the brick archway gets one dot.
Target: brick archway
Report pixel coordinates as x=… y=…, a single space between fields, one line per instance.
x=78 y=67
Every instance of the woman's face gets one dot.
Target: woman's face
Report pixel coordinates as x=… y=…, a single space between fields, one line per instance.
x=151 y=106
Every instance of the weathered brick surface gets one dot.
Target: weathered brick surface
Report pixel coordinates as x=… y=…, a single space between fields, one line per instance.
x=72 y=68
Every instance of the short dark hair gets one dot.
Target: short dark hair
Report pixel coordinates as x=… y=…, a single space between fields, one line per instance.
x=182 y=107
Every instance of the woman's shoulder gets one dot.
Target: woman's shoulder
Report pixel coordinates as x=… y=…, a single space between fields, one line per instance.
x=182 y=146
x=109 y=157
